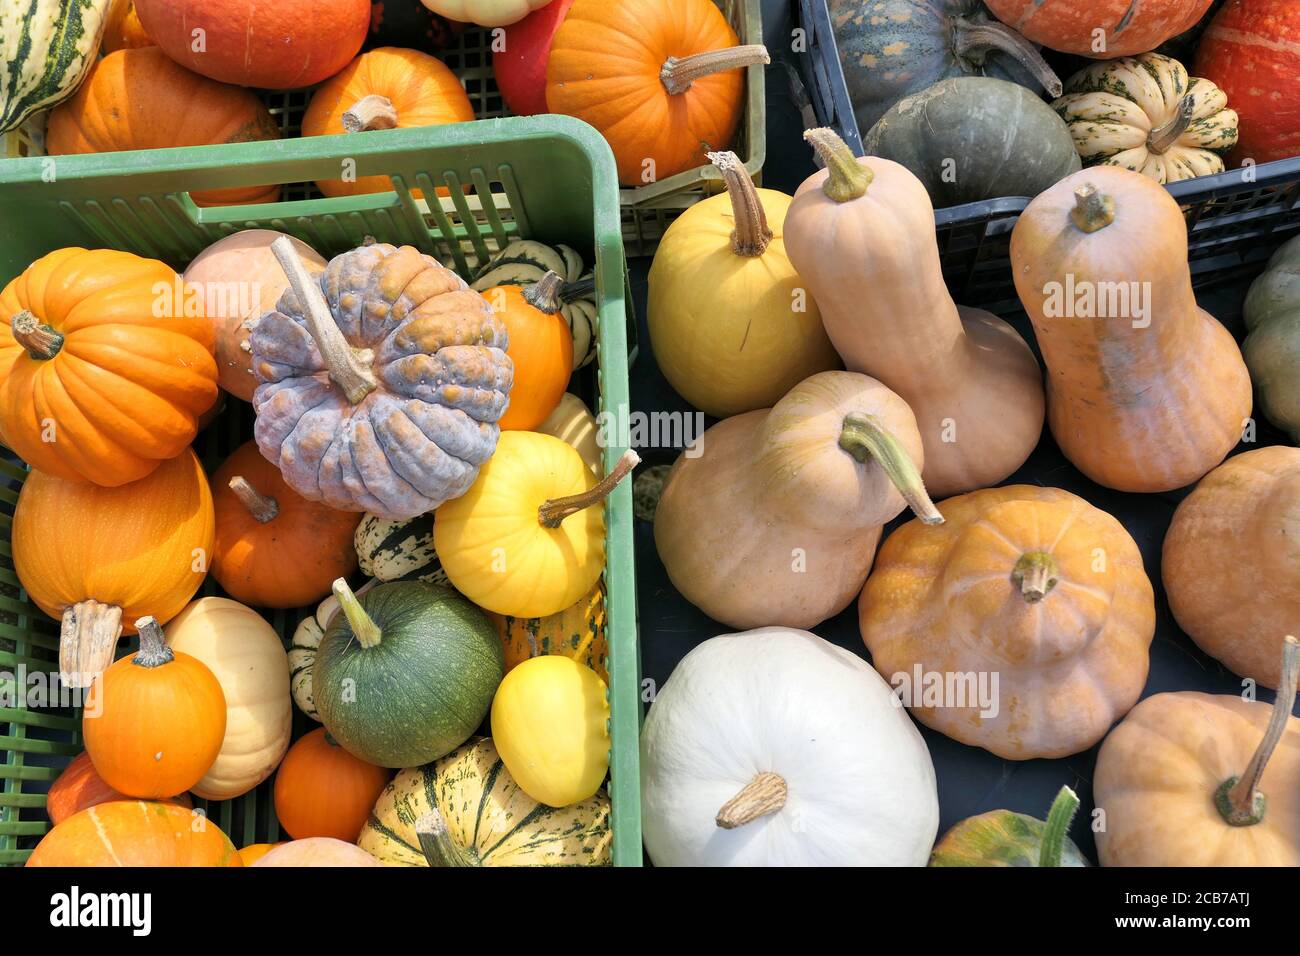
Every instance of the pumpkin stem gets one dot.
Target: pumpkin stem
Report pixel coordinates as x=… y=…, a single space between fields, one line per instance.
x=1239 y=799
x=437 y=844
x=88 y=637
x=1092 y=210
x=344 y=366
x=766 y=793
x=751 y=235
x=1057 y=826
x=40 y=341
x=1035 y=574
x=368 y=633
x=554 y=510
x=975 y=38
x=578 y=289
x=1164 y=136
x=370 y=113
x=260 y=506
x=846 y=178
x=678 y=73
x=863 y=437
x=154 y=651
x=544 y=294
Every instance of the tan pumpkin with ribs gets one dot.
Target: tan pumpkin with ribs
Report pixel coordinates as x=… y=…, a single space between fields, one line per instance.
x=861 y=235
x=1146 y=391
x=773 y=516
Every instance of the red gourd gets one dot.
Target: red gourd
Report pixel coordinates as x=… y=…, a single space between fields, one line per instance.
x=520 y=68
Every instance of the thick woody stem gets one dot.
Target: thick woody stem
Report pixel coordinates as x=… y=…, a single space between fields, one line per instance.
x=436 y=842
x=1092 y=210
x=678 y=73
x=553 y=511
x=544 y=294
x=87 y=639
x=261 y=507
x=154 y=651
x=370 y=113
x=766 y=793
x=751 y=235
x=979 y=37
x=846 y=178
x=1164 y=136
x=40 y=341
x=1035 y=574
x=344 y=366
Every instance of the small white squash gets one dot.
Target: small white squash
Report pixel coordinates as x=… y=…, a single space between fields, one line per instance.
x=773 y=747
x=245 y=655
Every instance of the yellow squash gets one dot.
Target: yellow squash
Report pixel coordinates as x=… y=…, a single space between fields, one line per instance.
x=577 y=632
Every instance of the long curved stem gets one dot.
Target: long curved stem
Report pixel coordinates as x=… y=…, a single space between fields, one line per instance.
x=751 y=236
x=553 y=511
x=678 y=73
x=367 y=632
x=1057 y=826
x=973 y=38
x=863 y=437
x=1166 y=135
x=846 y=178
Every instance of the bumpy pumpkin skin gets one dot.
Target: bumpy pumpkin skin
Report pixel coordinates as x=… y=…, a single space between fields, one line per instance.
x=487 y=815
x=943 y=597
x=438 y=354
x=135 y=833
x=1231 y=561
x=1143 y=404
x=1068 y=25
x=1158 y=770
x=124 y=390
x=998 y=838
x=1272 y=349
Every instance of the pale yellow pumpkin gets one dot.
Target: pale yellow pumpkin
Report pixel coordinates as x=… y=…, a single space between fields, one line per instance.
x=732 y=327
x=244 y=653
x=573 y=423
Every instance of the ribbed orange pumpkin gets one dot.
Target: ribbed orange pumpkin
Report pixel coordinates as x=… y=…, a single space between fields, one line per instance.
x=321 y=790
x=135 y=833
x=273 y=547
x=155 y=720
x=141 y=99
x=660 y=79
x=79 y=787
x=122 y=29
x=387 y=88
x=94 y=385
x=541 y=347
x=99 y=557
x=1129 y=27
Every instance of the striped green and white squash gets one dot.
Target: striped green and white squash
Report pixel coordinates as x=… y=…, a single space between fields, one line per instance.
x=524 y=261
x=486 y=819
x=46 y=48
x=302 y=650
x=390 y=550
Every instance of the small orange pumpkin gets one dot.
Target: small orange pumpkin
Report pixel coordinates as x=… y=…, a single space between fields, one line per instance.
x=321 y=790
x=255 y=851
x=135 y=833
x=273 y=547
x=155 y=720
x=123 y=29
x=540 y=345
x=79 y=787
x=386 y=88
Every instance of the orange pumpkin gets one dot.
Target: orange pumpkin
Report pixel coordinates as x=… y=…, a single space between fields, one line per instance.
x=141 y=99
x=541 y=347
x=660 y=79
x=387 y=88
x=273 y=547
x=321 y=790
x=122 y=28
x=1126 y=26
x=155 y=720
x=255 y=851
x=135 y=833
x=79 y=787
x=94 y=384
x=92 y=556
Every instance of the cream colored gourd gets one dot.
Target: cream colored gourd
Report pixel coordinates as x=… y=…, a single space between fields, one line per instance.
x=244 y=653
x=773 y=516
x=775 y=748
x=731 y=326
x=861 y=235
x=317 y=851
x=1146 y=114
x=572 y=422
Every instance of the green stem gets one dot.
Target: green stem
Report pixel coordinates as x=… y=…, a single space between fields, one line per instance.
x=863 y=437
x=437 y=844
x=1239 y=799
x=846 y=179
x=1057 y=826
x=154 y=651
x=368 y=633
x=40 y=341
x=1092 y=210
x=1035 y=574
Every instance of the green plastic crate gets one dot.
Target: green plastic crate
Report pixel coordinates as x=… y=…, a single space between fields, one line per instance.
x=551 y=178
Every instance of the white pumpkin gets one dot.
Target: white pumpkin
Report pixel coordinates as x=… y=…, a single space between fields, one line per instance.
x=245 y=655
x=485 y=13
x=773 y=747
x=573 y=423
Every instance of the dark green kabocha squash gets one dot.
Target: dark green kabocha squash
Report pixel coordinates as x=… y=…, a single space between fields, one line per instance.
x=890 y=48
x=972 y=138
x=1005 y=838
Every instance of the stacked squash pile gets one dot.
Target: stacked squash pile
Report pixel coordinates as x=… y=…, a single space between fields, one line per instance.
x=1016 y=618
x=961 y=94
x=407 y=426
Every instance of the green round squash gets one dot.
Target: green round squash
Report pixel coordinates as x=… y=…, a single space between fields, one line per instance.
x=1006 y=838
x=891 y=48
x=1272 y=349
x=973 y=138
x=406 y=673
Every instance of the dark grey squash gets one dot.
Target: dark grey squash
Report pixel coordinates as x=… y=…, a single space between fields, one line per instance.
x=891 y=48
x=974 y=138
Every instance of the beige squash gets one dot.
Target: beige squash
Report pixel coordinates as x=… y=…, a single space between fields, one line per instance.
x=572 y=422
x=245 y=655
